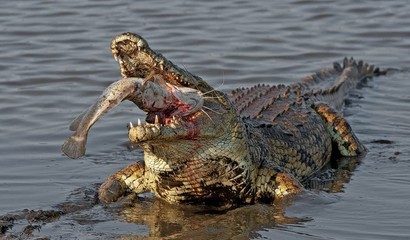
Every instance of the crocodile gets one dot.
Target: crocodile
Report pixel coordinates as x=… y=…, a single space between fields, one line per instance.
x=203 y=146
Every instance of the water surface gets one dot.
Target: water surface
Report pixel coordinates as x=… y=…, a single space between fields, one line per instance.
x=55 y=61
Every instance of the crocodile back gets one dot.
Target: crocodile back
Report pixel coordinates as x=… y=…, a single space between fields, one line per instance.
x=329 y=85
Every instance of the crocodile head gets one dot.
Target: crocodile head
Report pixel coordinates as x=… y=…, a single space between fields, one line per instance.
x=192 y=140
x=212 y=110
x=137 y=59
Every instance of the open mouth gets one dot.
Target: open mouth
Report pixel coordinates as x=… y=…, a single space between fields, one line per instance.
x=163 y=125
x=166 y=106
x=181 y=114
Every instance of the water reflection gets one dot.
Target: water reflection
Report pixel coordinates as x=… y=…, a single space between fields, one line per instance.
x=189 y=222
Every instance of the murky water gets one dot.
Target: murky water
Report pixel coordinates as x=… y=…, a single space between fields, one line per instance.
x=55 y=60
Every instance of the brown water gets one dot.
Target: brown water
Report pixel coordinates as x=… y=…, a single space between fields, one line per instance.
x=55 y=61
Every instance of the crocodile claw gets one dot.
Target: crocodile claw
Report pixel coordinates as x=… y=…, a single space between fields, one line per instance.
x=111 y=190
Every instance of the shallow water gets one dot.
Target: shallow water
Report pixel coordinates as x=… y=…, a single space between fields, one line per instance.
x=55 y=61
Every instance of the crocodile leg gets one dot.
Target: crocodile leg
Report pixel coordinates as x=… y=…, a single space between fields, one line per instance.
x=273 y=183
x=130 y=178
x=340 y=131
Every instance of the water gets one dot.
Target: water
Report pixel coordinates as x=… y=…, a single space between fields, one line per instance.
x=55 y=61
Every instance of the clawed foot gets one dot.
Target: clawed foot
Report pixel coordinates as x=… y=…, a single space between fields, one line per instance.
x=111 y=190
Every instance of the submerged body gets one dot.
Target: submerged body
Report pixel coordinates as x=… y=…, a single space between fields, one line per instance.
x=202 y=146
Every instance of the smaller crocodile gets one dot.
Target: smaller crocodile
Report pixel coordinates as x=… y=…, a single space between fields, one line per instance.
x=202 y=146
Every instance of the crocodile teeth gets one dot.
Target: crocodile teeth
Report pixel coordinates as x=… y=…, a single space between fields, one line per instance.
x=173 y=120
x=139 y=122
x=176 y=120
x=156 y=120
x=130 y=125
x=155 y=131
x=172 y=125
x=115 y=56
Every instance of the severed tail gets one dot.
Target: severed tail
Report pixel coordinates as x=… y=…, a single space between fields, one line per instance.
x=74 y=146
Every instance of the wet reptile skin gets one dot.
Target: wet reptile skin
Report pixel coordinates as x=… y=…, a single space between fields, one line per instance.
x=256 y=145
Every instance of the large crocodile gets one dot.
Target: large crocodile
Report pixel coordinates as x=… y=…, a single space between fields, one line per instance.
x=202 y=146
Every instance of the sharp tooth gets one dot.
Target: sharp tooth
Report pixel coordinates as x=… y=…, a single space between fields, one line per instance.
x=172 y=125
x=115 y=56
x=139 y=122
x=131 y=126
x=161 y=67
x=156 y=120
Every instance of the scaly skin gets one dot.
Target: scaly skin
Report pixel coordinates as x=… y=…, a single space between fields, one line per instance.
x=257 y=145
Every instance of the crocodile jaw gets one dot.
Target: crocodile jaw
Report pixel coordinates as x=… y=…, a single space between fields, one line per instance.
x=195 y=126
x=137 y=59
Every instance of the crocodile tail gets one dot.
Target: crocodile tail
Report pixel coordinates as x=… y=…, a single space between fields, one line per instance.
x=350 y=70
x=364 y=69
x=331 y=85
